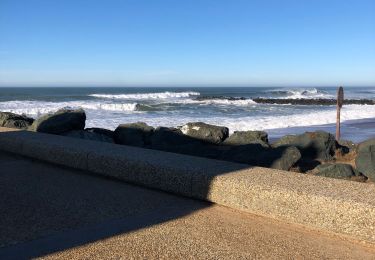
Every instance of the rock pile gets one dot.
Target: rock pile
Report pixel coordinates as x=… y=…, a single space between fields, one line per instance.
x=311 y=152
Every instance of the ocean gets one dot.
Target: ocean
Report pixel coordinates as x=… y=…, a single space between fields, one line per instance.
x=233 y=107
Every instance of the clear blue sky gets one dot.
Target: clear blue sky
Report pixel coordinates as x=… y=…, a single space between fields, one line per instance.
x=187 y=42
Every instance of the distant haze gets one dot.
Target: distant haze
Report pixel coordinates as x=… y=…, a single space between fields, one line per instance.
x=187 y=43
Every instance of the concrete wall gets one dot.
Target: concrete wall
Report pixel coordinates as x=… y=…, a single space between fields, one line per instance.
x=339 y=206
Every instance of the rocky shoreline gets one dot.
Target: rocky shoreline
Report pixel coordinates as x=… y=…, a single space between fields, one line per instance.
x=315 y=153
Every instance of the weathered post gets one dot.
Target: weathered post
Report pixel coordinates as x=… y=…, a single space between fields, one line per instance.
x=340 y=101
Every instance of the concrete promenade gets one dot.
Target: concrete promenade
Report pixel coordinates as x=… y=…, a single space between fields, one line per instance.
x=339 y=206
x=53 y=212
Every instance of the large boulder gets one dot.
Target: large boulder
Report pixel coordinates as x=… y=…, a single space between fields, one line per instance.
x=313 y=145
x=61 y=121
x=256 y=154
x=88 y=135
x=135 y=134
x=365 y=160
x=335 y=170
x=246 y=137
x=11 y=120
x=205 y=132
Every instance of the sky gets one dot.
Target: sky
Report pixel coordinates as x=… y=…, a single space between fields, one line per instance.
x=187 y=42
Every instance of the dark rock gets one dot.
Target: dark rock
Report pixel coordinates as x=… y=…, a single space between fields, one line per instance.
x=61 y=121
x=338 y=170
x=173 y=140
x=255 y=154
x=347 y=146
x=247 y=137
x=136 y=134
x=11 y=120
x=313 y=145
x=205 y=132
x=165 y=138
x=101 y=131
x=365 y=160
x=305 y=165
x=87 y=135
x=200 y=149
x=249 y=154
x=282 y=158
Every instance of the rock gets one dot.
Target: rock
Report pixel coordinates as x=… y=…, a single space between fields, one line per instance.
x=201 y=150
x=205 y=132
x=283 y=159
x=173 y=140
x=87 y=135
x=246 y=137
x=255 y=154
x=365 y=160
x=136 y=134
x=11 y=120
x=165 y=138
x=101 y=131
x=338 y=170
x=61 y=121
x=313 y=145
x=249 y=154
x=306 y=165
x=347 y=146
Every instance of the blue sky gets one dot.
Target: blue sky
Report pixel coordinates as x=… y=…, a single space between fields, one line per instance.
x=191 y=42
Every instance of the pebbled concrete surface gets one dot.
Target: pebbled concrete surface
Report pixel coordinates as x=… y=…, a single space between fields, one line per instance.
x=52 y=212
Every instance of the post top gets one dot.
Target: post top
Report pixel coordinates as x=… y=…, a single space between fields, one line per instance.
x=340 y=96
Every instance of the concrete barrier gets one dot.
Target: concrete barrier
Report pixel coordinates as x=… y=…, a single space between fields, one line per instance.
x=338 y=206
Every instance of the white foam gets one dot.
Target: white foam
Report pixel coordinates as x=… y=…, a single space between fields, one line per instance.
x=118 y=107
x=37 y=108
x=350 y=112
x=142 y=96
x=306 y=93
x=244 y=102
x=243 y=123
x=109 y=115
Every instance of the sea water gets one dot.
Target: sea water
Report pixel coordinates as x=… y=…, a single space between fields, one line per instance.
x=108 y=107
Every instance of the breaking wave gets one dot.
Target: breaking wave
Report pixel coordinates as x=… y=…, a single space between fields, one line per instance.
x=218 y=101
x=309 y=93
x=142 y=96
x=249 y=122
x=349 y=112
x=37 y=108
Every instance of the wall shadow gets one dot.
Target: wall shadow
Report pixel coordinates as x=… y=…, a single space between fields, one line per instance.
x=50 y=208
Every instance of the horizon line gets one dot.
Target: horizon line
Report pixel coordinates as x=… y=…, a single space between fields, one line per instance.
x=184 y=86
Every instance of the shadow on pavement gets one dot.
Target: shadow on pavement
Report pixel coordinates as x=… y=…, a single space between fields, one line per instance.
x=47 y=208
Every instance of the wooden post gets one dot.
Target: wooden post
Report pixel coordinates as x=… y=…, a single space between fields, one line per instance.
x=340 y=102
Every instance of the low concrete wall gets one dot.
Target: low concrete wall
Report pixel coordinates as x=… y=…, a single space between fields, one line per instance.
x=335 y=205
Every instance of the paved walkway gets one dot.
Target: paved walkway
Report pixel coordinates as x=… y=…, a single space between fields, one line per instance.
x=53 y=212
